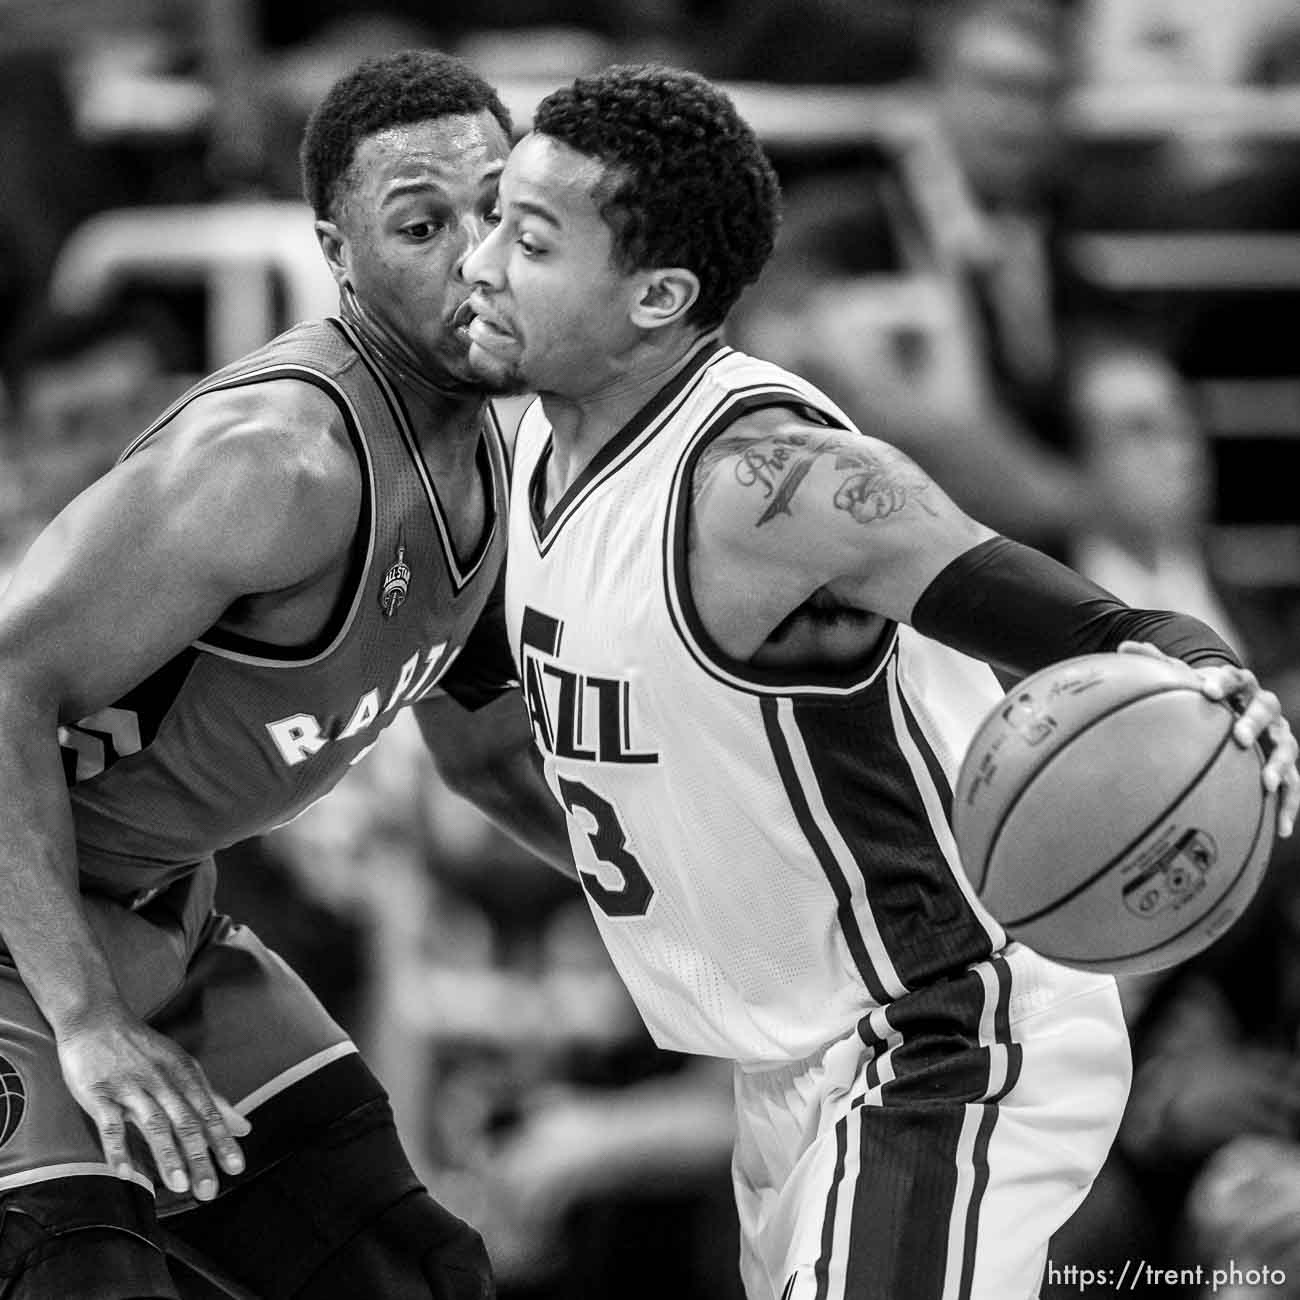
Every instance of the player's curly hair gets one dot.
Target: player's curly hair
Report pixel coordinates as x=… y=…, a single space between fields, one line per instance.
x=689 y=184
x=394 y=90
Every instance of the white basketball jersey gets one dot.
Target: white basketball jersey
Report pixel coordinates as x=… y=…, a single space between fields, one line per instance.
x=768 y=856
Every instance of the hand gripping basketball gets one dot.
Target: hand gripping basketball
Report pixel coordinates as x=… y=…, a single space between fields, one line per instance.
x=1260 y=721
x=1116 y=813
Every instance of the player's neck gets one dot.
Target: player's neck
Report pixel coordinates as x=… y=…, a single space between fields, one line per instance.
x=582 y=423
x=447 y=403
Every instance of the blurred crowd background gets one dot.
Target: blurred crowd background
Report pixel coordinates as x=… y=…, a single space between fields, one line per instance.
x=1050 y=248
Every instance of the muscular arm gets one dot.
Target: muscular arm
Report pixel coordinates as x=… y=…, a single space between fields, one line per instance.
x=783 y=509
x=785 y=512
x=132 y=571
x=487 y=756
x=796 y=509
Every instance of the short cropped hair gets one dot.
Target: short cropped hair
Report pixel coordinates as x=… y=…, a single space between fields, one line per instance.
x=394 y=90
x=689 y=183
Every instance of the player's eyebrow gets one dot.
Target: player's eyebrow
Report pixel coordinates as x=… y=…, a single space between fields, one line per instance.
x=404 y=188
x=530 y=209
x=422 y=185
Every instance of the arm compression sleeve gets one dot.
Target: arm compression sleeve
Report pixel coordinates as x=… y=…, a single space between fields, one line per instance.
x=1020 y=610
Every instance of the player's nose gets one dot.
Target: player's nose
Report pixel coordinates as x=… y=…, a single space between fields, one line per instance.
x=473 y=229
x=480 y=263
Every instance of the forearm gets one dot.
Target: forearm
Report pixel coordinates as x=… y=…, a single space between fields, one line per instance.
x=1021 y=610
x=512 y=794
x=42 y=922
x=487 y=756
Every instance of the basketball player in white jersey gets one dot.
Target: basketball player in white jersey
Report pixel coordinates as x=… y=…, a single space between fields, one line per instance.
x=753 y=643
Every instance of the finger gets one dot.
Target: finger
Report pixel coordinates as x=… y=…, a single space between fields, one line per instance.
x=1236 y=686
x=1289 y=807
x=1258 y=711
x=1141 y=648
x=111 y=1125
x=220 y=1121
x=188 y=1126
x=151 y=1119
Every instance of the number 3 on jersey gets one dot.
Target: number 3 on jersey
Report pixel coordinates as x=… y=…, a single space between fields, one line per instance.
x=608 y=842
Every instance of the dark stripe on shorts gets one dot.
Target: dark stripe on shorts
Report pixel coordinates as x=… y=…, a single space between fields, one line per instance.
x=980 y=1152
x=821 y=1271
x=980 y=1161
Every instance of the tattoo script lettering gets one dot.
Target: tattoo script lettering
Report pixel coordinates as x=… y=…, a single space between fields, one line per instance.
x=879 y=483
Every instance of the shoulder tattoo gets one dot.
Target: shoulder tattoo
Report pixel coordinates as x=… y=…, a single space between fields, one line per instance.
x=874 y=481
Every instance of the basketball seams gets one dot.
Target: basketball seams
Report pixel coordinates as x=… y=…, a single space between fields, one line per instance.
x=1029 y=778
x=1190 y=788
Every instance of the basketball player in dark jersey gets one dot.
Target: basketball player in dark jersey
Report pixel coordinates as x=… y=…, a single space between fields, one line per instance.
x=192 y=652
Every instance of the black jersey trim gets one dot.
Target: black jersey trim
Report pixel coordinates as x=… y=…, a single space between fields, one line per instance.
x=938 y=777
x=231 y=645
x=621 y=448
x=460 y=571
x=836 y=683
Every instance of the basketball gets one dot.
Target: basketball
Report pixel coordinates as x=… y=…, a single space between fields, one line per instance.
x=1108 y=819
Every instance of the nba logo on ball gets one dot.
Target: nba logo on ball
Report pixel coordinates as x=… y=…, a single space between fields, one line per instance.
x=1108 y=819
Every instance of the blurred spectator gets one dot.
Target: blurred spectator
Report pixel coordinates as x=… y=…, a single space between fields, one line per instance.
x=1000 y=72
x=1207 y=1169
x=1148 y=459
x=1144 y=43
x=950 y=335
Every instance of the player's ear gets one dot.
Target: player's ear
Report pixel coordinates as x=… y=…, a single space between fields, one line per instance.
x=334 y=244
x=664 y=296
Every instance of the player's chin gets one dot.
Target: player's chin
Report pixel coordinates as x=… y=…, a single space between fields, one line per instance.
x=493 y=373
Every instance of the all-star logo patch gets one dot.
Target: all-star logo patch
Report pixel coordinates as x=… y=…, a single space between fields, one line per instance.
x=13 y=1100
x=397 y=582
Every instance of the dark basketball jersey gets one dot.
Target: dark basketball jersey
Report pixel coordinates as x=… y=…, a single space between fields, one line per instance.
x=232 y=737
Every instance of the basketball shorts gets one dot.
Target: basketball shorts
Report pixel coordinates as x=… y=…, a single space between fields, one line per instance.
x=932 y=1154
x=252 y=1025
x=197 y=977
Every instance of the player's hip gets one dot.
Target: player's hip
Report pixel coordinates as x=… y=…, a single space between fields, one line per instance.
x=961 y=1039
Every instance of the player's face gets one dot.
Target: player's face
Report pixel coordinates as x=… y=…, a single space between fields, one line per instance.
x=417 y=199
x=551 y=304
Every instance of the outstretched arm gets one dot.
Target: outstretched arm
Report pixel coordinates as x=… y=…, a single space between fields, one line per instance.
x=784 y=508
